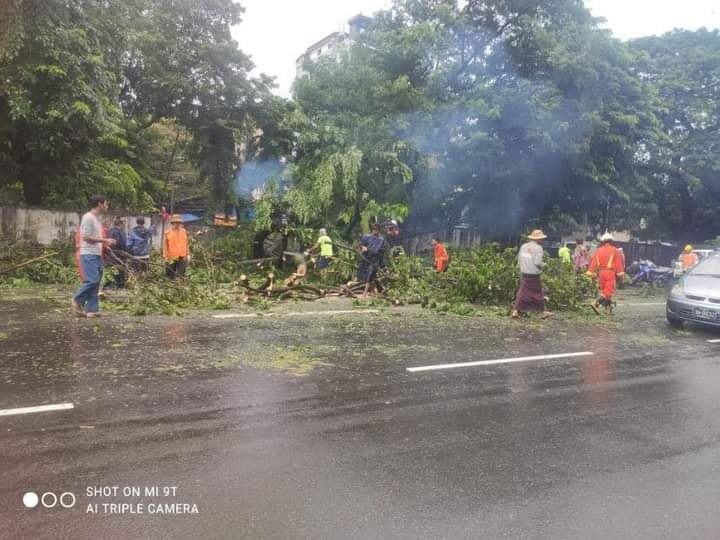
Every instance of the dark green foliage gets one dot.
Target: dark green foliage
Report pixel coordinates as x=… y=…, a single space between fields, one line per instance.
x=59 y=268
x=486 y=276
x=85 y=82
x=683 y=166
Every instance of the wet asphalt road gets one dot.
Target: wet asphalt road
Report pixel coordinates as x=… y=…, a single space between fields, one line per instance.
x=311 y=427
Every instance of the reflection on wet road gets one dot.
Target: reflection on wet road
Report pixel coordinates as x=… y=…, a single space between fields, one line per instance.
x=312 y=427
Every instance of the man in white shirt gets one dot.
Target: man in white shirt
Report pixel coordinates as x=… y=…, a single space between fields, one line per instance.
x=530 y=296
x=85 y=302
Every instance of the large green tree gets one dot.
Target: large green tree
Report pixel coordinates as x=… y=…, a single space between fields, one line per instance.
x=683 y=166
x=60 y=124
x=349 y=161
x=87 y=83
x=499 y=114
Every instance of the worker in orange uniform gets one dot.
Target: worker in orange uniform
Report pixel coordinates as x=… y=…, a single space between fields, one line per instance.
x=441 y=254
x=689 y=259
x=607 y=264
x=176 y=249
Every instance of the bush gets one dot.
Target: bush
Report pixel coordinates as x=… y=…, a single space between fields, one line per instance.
x=488 y=275
x=58 y=268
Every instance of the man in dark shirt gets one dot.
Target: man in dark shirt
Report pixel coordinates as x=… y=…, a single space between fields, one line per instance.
x=372 y=253
x=138 y=245
x=119 y=250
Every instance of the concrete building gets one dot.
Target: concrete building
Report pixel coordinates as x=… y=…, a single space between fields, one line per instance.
x=331 y=45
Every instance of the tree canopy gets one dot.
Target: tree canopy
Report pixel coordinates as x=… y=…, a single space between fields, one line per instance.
x=86 y=83
x=501 y=115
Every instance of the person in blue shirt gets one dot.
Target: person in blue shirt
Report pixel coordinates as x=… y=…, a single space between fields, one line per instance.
x=372 y=257
x=119 y=251
x=139 y=243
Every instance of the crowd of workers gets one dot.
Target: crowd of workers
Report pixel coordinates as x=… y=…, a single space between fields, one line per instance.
x=606 y=264
x=97 y=246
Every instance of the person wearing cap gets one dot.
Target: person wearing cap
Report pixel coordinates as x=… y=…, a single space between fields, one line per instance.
x=138 y=245
x=689 y=258
x=530 y=295
x=607 y=264
x=324 y=245
x=176 y=248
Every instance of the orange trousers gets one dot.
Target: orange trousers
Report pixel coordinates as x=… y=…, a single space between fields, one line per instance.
x=607 y=281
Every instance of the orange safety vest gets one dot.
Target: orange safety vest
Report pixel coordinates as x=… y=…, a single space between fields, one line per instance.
x=689 y=260
x=607 y=261
x=176 y=244
x=441 y=258
x=607 y=257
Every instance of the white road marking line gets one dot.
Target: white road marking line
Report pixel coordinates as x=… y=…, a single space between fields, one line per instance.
x=335 y=312
x=501 y=361
x=713 y=340
x=295 y=313
x=39 y=408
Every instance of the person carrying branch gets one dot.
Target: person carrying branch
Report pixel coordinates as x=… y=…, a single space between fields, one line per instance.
x=607 y=264
x=138 y=245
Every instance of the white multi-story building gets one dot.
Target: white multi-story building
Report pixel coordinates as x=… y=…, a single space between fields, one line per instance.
x=332 y=44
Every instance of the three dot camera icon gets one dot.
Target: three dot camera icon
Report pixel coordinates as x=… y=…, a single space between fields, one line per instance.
x=49 y=499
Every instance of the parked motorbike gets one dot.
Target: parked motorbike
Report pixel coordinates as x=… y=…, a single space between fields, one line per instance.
x=648 y=272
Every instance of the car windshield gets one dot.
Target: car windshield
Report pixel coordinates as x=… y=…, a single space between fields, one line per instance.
x=707 y=267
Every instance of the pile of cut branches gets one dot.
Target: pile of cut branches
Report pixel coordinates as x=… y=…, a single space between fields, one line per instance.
x=23 y=263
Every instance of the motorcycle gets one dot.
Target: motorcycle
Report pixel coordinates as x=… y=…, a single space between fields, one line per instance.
x=648 y=272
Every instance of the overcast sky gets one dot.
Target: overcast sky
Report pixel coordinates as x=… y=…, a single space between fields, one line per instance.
x=276 y=32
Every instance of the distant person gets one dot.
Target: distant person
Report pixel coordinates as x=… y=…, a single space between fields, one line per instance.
x=689 y=258
x=324 y=246
x=581 y=257
x=138 y=245
x=118 y=258
x=372 y=253
x=440 y=254
x=623 y=264
x=85 y=302
x=530 y=296
x=607 y=264
x=564 y=254
x=176 y=249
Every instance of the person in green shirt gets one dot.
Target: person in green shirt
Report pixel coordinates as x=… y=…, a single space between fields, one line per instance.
x=324 y=245
x=564 y=254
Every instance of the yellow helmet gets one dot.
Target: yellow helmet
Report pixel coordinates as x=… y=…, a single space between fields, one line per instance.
x=688 y=248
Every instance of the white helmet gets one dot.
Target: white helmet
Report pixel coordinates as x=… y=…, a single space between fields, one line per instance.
x=607 y=237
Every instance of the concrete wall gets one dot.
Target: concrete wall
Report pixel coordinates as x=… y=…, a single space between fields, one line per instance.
x=47 y=226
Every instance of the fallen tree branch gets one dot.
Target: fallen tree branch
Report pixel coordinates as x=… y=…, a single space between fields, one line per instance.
x=28 y=262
